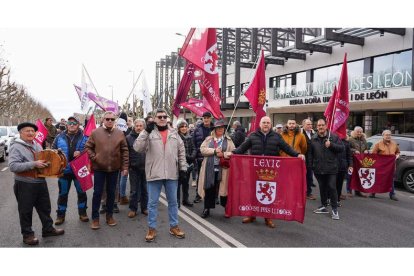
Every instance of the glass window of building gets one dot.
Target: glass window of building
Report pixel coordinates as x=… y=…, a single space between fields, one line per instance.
x=320 y=77
x=283 y=87
x=393 y=70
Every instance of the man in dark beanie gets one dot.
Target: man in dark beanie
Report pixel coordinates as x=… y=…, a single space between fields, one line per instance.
x=30 y=190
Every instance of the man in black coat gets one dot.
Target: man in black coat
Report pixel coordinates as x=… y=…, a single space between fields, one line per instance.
x=308 y=132
x=265 y=142
x=239 y=134
x=325 y=147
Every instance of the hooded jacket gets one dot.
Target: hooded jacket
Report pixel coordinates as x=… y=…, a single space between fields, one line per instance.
x=22 y=159
x=295 y=139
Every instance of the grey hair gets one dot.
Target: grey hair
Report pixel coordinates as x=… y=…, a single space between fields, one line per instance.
x=358 y=128
x=386 y=131
x=109 y=112
x=237 y=123
x=141 y=121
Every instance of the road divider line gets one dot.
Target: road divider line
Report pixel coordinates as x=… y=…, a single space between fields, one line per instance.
x=210 y=226
x=209 y=235
x=4 y=169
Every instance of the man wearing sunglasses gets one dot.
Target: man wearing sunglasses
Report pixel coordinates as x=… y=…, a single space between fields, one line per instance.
x=72 y=143
x=165 y=160
x=108 y=150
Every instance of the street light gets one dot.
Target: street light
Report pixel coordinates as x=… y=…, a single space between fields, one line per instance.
x=112 y=91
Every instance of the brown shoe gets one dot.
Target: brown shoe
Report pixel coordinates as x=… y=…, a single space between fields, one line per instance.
x=311 y=197
x=145 y=212
x=132 y=214
x=30 y=240
x=60 y=220
x=53 y=232
x=124 y=200
x=176 y=232
x=249 y=220
x=349 y=195
x=151 y=234
x=269 y=223
x=342 y=197
x=357 y=193
x=95 y=224
x=110 y=221
x=83 y=218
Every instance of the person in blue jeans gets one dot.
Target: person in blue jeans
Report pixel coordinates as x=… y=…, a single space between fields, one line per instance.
x=137 y=179
x=71 y=142
x=164 y=162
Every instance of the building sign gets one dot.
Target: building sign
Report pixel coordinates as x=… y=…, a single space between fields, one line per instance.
x=377 y=81
x=354 y=97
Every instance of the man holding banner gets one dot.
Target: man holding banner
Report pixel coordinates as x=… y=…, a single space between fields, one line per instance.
x=387 y=147
x=72 y=143
x=265 y=141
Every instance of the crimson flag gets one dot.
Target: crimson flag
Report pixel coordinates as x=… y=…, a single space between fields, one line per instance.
x=82 y=169
x=265 y=186
x=373 y=173
x=200 y=48
x=41 y=133
x=256 y=92
x=183 y=88
x=196 y=106
x=90 y=126
x=329 y=109
x=342 y=103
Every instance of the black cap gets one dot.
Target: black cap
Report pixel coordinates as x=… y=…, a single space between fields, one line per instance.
x=26 y=124
x=207 y=114
x=73 y=118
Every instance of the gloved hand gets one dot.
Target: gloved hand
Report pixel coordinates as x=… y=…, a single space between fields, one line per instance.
x=182 y=175
x=150 y=127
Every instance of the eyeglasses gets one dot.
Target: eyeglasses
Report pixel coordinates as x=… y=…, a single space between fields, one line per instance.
x=110 y=119
x=162 y=117
x=72 y=123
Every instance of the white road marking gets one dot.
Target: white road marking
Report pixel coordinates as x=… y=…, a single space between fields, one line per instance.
x=215 y=239
x=4 y=169
x=207 y=224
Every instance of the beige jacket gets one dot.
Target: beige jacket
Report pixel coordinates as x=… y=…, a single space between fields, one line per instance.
x=161 y=162
x=206 y=151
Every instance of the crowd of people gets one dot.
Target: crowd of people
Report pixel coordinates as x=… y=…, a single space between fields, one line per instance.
x=153 y=154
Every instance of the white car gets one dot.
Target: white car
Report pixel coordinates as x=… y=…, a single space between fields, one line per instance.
x=8 y=134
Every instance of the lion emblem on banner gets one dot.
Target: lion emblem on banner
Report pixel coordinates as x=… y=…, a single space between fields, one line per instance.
x=265 y=188
x=39 y=136
x=210 y=60
x=367 y=173
x=83 y=172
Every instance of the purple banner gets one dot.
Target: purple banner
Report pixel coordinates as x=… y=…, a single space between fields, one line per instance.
x=105 y=104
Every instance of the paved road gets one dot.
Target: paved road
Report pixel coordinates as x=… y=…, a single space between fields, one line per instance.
x=364 y=223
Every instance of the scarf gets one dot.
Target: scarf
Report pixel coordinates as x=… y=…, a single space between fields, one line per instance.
x=209 y=172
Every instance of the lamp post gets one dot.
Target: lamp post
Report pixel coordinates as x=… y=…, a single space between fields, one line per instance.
x=112 y=87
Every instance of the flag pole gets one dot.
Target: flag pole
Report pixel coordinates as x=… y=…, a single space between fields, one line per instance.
x=133 y=87
x=238 y=100
x=89 y=77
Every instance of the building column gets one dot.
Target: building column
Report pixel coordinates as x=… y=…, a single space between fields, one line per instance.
x=368 y=123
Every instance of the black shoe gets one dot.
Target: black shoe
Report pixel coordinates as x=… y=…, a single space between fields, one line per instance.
x=116 y=209
x=313 y=185
x=217 y=201
x=187 y=204
x=197 y=199
x=206 y=213
x=103 y=209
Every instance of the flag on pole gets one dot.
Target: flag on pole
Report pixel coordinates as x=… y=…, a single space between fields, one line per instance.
x=256 y=92
x=183 y=88
x=41 y=133
x=90 y=126
x=200 y=48
x=82 y=169
x=84 y=99
x=196 y=106
x=103 y=103
x=145 y=96
x=337 y=111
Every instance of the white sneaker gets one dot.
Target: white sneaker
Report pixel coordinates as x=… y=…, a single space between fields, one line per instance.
x=321 y=210
x=335 y=215
x=194 y=183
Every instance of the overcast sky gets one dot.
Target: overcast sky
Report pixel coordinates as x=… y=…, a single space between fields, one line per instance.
x=49 y=61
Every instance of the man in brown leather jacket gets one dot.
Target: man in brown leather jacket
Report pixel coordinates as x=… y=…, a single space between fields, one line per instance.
x=108 y=150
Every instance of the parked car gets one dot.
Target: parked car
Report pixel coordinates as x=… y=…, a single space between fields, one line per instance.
x=8 y=134
x=405 y=164
x=15 y=134
x=2 y=150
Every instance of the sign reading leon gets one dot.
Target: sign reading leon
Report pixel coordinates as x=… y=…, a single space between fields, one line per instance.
x=265 y=186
